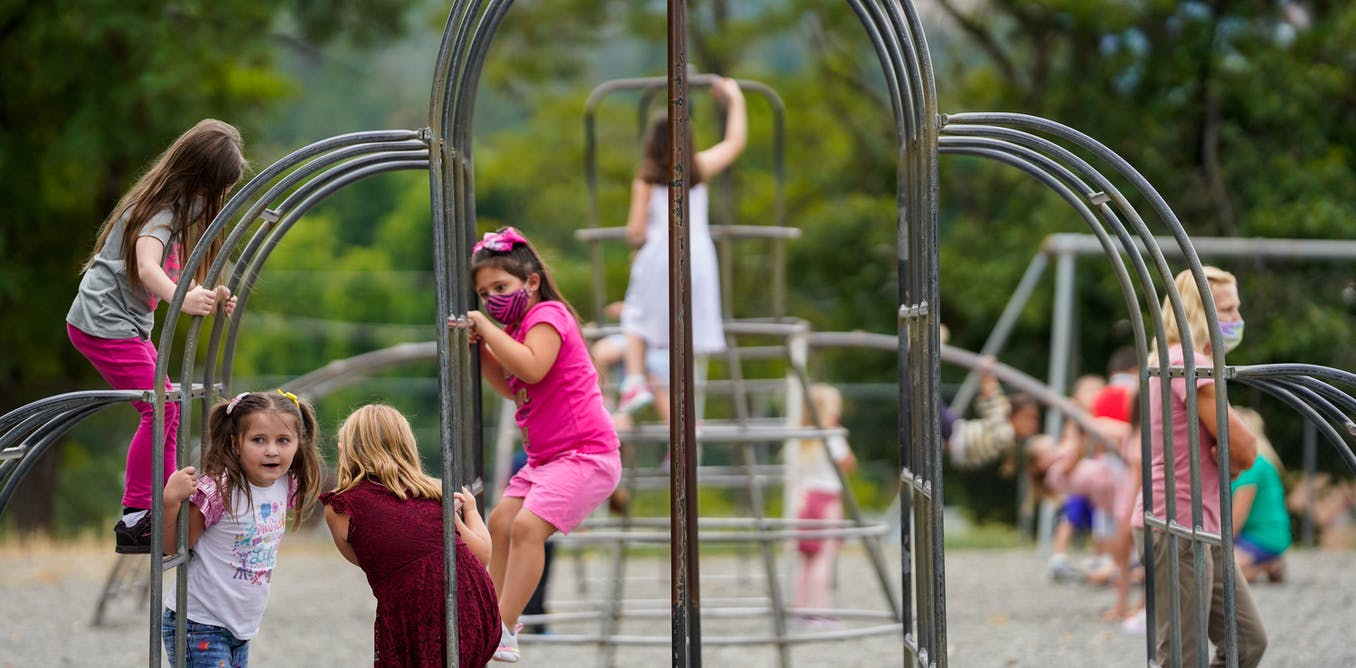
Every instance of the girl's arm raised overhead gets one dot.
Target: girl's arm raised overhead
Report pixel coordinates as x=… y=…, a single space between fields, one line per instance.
x=718 y=157
x=635 y=218
x=150 y=255
x=178 y=488
x=338 y=523
x=529 y=360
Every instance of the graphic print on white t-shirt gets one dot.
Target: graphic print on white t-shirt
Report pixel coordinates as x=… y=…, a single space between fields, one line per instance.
x=256 y=546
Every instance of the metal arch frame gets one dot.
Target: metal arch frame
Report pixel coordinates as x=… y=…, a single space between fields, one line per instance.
x=1066 y=247
x=895 y=31
x=896 y=34
x=292 y=186
x=996 y=132
x=1010 y=138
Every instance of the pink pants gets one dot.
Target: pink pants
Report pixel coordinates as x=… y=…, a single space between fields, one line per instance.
x=129 y=364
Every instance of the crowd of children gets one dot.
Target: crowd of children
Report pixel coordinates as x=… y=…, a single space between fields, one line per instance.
x=261 y=462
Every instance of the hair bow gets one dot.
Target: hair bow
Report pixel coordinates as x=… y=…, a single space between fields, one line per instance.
x=291 y=396
x=499 y=242
x=230 y=406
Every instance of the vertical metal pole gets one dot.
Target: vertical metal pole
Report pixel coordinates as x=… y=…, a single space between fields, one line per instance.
x=1310 y=463
x=451 y=270
x=686 y=593
x=157 y=510
x=1061 y=336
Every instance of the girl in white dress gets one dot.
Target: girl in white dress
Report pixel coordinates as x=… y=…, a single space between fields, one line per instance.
x=645 y=315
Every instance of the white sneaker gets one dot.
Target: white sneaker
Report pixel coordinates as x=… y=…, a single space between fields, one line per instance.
x=508 y=644
x=635 y=395
x=1062 y=571
x=1135 y=624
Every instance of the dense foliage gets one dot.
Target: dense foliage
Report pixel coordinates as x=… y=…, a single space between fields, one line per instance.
x=1242 y=116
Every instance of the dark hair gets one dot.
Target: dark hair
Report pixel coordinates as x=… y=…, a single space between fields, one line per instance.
x=1020 y=401
x=191 y=179
x=522 y=260
x=221 y=457
x=1122 y=360
x=656 y=162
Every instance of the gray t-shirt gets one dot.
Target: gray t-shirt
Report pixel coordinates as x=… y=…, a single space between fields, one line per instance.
x=106 y=305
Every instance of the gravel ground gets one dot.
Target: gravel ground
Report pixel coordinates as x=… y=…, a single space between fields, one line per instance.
x=1002 y=609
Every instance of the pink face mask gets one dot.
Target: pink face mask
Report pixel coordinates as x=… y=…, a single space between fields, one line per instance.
x=507 y=309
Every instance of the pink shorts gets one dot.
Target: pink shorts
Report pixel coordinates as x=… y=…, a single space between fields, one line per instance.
x=566 y=489
x=818 y=504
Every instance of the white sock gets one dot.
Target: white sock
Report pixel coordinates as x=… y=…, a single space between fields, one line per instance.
x=133 y=517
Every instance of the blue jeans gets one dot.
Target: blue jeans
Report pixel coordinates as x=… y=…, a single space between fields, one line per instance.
x=208 y=646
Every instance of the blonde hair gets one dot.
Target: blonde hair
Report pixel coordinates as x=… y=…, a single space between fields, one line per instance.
x=1193 y=307
x=1253 y=421
x=377 y=444
x=823 y=401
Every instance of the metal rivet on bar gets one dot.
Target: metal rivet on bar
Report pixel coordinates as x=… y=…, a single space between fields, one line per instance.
x=1201 y=372
x=915 y=311
x=270 y=216
x=425 y=135
x=1099 y=198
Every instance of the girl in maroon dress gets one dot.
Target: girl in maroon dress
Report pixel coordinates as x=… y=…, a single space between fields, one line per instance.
x=386 y=516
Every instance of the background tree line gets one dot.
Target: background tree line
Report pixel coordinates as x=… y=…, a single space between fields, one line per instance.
x=1242 y=116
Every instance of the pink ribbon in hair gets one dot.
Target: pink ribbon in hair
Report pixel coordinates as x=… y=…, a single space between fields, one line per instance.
x=499 y=242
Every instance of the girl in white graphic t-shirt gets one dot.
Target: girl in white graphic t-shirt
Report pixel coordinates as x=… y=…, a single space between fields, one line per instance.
x=261 y=462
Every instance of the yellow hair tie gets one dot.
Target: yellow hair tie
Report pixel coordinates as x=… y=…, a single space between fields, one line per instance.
x=291 y=396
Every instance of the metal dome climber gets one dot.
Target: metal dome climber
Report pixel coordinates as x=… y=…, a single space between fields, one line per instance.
x=266 y=207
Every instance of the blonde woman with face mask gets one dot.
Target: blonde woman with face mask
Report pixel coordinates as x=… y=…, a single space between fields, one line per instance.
x=1252 y=639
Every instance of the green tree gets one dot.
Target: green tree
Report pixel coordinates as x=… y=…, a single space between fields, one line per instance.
x=92 y=91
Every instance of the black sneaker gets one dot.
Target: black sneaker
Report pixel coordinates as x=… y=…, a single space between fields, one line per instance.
x=135 y=539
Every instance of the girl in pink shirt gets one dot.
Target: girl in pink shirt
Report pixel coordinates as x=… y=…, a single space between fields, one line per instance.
x=536 y=355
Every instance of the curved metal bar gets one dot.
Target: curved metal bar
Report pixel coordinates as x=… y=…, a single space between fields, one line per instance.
x=1309 y=413
x=893 y=32
x=342 y=177
x=1042 y=145
x=1169 y=219
x=915 y=584
x=288 y=184
x=1053 y=168
x=1343 y=401
x=1311 y=397
x=62 y=401
x=44 y=438
x=340 y=373
x=1023 y=139
x=453 y=232
x=1055 y=176
x=248 y=193
x=414 y=149
x=1314 y=370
